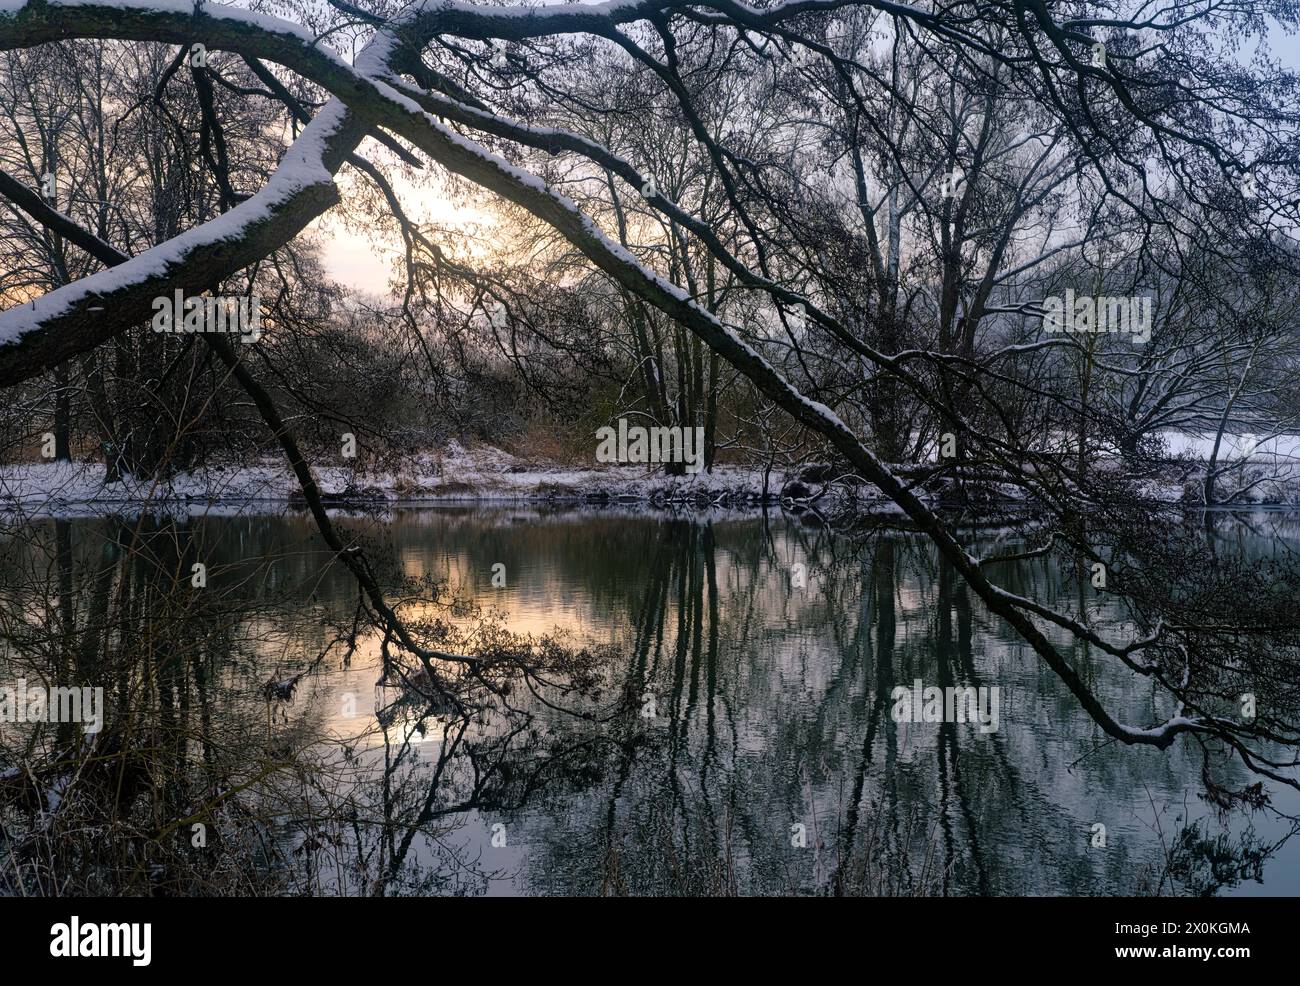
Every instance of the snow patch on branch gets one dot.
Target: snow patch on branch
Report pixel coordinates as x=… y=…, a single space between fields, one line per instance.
x=300 y=168
x=184 y=8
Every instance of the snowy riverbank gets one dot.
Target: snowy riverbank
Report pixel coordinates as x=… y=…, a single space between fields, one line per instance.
x=457 y=474
x=478 y=474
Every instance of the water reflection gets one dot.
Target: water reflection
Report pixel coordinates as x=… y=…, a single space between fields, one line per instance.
x=755 y=751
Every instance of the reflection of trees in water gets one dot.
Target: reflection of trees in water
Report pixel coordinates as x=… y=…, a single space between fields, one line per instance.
x=99 y=812
x=203 y=780
x=766 y=726
x=774 y=710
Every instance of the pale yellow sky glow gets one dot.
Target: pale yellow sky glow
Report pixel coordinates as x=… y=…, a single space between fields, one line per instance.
x=370 y=260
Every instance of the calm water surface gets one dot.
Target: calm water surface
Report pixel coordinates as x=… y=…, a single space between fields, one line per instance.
x=772 y=711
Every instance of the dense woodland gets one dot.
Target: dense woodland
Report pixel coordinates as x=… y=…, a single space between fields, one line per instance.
x=822 y=231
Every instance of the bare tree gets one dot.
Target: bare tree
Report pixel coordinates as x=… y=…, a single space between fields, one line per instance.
x=907 y=291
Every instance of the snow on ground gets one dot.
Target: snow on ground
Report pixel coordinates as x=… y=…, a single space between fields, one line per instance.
x=1266 y=450
x=484 y=473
